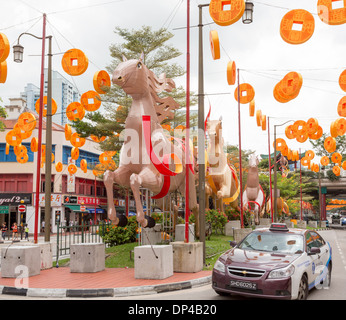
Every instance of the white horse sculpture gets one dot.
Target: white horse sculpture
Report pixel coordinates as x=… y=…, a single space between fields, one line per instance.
x=143 y=154
x=253 y=193
x=221 y=180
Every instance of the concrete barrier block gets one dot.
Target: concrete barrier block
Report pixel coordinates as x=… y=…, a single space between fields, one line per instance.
x=312 y=224
x=46 y=261
x=20 y=261
x=180 y=232
x=230 y=226
x=153 y=262
x=240 y=234
x=187 y=257
x=87 y=257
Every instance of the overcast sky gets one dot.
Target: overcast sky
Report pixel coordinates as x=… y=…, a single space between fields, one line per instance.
x=258 y=50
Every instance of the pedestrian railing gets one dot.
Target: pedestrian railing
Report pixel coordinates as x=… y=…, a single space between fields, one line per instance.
x=84 y=233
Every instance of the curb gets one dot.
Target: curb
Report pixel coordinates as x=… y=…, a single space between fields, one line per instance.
x=105 y=292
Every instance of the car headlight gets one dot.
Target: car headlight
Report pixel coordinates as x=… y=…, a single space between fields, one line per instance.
x=219 y=266
x=281 y=273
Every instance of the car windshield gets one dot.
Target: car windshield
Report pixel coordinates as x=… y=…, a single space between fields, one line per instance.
x=273 y=242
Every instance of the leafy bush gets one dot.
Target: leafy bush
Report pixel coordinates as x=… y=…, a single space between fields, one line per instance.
x=232 y=214
x=115 y=235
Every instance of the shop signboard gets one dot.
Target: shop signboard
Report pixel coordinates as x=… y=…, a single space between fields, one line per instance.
x=15 y=199
x=55 y=200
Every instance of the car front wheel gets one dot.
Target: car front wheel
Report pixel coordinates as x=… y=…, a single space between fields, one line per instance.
x=303 y=288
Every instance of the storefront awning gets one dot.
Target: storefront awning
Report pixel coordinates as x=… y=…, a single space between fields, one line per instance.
x=98 y=210
x=73 y=207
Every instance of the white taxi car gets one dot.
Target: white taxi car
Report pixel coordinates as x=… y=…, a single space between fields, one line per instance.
x=275 y=262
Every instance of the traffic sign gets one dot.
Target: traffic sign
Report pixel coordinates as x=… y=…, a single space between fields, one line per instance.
x=21 y=208
x=82 y=208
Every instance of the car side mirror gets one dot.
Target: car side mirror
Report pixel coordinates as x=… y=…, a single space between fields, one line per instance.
x=232 y=244
x=314 y=250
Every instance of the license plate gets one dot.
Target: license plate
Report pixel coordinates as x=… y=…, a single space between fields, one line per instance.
x=243 y=285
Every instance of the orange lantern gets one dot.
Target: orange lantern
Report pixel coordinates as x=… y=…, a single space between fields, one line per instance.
x=252 y=108
x=290 y=133
x=77 y=141
x=300 y=127
x=74 y=62
x=302 y=137
x=336 y=170
x=305 y=161
x=330 y=144
x=317 y=134
x=68 y=132
x=231 y=73
x=19 y=150
x=329 y=15
x=74 y=153
x=310 y=154
x=333 y=130
x=344 y=165
x=312 y=125
x=45 y=98
x=279 y=96
x=3 y=71
x=91 y=100
x=101 y=81
x=21 y=133
x=258 y=117
x=75 y=111
x=225 y=13
x=58 y=166
x=295 y=155
x=336 y=157
x=84 y=165
x=72 y=169
x=7 y=149
x=289 y=87
x=342 y=80
x=315 y=167
x=280 y=144
x=13 y=139
x=27 y=121
x=246 y=93
x=342 y=107
x=264 y=122
x=340 y=125
x=214 y=44
x=297 y=26
x=4 y=47
x=23 y=158
x=104 y=158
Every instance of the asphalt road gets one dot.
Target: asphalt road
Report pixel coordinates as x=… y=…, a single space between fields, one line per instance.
x=336 y=237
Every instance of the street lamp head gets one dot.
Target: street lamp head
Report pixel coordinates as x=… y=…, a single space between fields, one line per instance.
x=18 y=53
x=248 y=13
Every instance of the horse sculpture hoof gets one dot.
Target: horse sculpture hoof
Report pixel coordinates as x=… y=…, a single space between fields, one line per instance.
x=122 y=220
x=150 y=222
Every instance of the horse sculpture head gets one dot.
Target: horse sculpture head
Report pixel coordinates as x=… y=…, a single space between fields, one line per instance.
x=253 y=161
x=137 y=80
x=214 y=128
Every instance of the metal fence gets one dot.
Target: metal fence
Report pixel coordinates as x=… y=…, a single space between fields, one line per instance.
x=84 y=233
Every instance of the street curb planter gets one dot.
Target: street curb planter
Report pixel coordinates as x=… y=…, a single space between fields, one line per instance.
x=230 y=226
x=301 y=224
x=312 y=224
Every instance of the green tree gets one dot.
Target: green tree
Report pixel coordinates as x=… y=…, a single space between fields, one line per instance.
x=318 y=146
x=158 y=56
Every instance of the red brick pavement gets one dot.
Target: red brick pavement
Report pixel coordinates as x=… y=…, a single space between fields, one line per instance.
x=62 y=278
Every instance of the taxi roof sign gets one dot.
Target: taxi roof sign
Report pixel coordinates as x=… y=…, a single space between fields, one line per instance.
x=278 y=227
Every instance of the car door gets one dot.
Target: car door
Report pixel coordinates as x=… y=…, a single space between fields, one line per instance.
x=324 y=255
x=315 y=261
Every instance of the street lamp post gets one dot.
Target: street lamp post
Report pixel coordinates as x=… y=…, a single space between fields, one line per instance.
x=18 y=57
